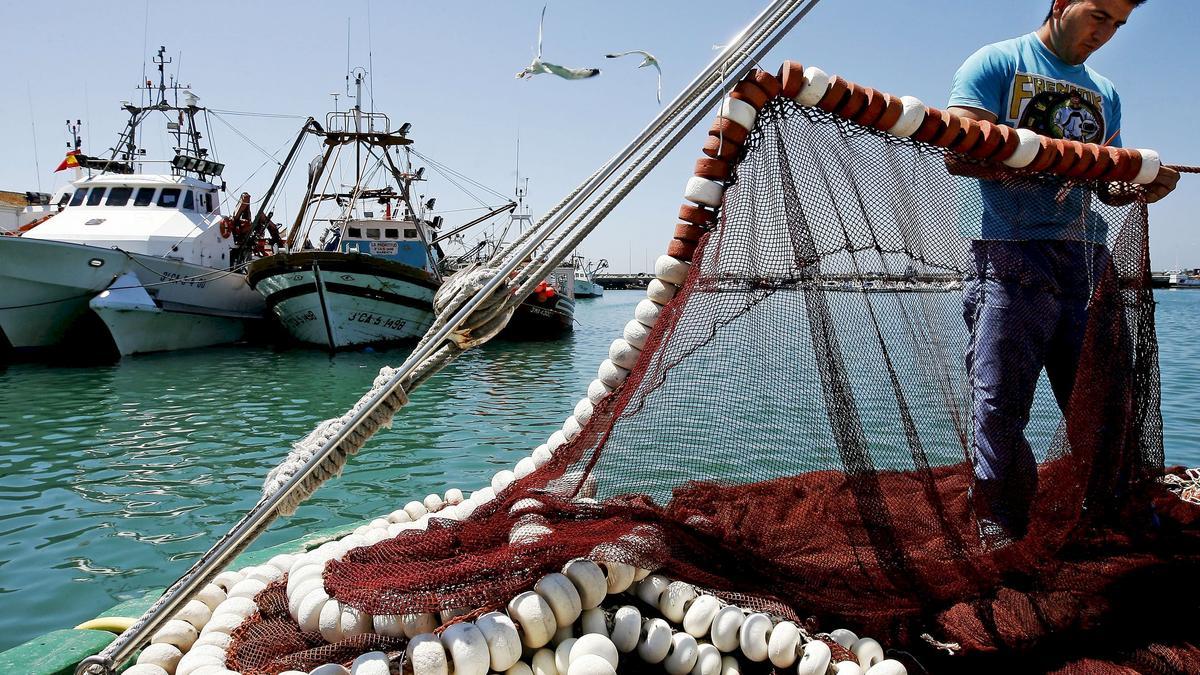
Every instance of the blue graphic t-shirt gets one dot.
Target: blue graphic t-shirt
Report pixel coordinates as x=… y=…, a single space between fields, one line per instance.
x=1027 y=86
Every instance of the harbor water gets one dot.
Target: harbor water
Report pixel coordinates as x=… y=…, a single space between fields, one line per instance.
x=113 y=479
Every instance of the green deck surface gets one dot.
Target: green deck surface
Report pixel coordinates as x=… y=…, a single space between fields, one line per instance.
x=58 y=652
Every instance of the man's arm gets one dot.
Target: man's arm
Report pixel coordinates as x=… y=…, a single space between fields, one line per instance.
x=958 y=167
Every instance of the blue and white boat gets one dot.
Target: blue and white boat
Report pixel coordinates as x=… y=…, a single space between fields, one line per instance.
x=371 y=278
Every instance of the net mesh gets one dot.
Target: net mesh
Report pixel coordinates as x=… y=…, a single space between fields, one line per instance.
x=801 y=434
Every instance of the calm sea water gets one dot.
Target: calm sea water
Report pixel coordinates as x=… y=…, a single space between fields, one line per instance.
x=113 y=479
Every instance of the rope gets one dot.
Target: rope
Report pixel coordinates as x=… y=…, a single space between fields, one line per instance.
x=1183 y=168
x=1187 y=489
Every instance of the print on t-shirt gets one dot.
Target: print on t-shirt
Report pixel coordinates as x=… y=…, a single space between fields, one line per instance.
x=1056 y=109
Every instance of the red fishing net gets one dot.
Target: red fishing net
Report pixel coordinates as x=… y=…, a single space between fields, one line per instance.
x=800 y=432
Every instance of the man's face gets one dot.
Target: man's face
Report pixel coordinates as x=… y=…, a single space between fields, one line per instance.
x=1080 y=27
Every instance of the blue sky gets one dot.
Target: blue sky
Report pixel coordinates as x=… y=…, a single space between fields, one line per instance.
x=448 y=68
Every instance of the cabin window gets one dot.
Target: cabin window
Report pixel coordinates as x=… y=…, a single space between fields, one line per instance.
x=410 y=233
x=63 y=200
x=189 y=201
x=355 y=232
x=77 y=199
x=169 y=198
x=208 y=205
x=118 y=196
x=392 y=233
x=372 y=233
x=144 y=197
x=95 y=196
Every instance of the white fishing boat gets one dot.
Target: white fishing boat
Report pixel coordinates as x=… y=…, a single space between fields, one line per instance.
x=143 y=252
x=1183 y=280
x=372 y=278
x=585 y=277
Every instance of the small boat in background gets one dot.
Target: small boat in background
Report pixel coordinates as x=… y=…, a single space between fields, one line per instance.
x=585 y=277
x=548 y=312
x=1182 y=279
x=372 y=279
x=125 y=261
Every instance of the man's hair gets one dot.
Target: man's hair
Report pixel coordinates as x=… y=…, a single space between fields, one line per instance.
x=1050 y=14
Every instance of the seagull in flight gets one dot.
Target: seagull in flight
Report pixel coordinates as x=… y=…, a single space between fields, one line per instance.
x=540 y=67
x=648 y=59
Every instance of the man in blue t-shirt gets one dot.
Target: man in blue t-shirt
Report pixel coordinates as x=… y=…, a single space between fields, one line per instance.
x=1036 y=252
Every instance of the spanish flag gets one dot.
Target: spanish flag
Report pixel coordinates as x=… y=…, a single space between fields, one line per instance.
x=69 y=162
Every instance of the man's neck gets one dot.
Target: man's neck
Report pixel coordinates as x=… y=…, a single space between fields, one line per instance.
x=1046 y=35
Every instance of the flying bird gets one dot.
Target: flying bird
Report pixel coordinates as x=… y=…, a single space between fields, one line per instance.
x=648 y=59
x=540 y=67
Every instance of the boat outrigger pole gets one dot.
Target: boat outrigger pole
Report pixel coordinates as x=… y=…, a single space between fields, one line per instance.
x=507 y=207
x=437 y=348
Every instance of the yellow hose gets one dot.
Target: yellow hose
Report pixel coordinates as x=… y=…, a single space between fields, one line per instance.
x=112 y=624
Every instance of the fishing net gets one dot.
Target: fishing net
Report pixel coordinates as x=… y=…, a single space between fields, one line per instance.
x=802 y=432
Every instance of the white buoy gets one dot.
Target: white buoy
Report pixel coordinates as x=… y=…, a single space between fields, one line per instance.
x=844 y=637
x=635 y=333
x=308 y=617
x=176 y=632
x=502 y=479
x=698 y=618
x=739 y=111
x=330 y=622
x=846 y=668
x=215 y=638
x=655 y=641
x=427 y=656
x=519 y=668
x=753 y=636
x=453 y=496
x=146 y=669
x=647 y=312
x=162 y=654
x=297 y=596
x=660 y=292
x=725 y=625
x=196 y=613
x=503 y=640
x=623 y=354
x=593 y=644
x=591 y=665
x=730 y=665
x=562 y=655
x=611 y=374
x=399 y=516
x=815 y=658
x=683 y=654
x=542 y=662
x=561 y=595
x=673 y=602
x=433 y=502
x=211 y=595
x=867 y=651
x=227 y=579
x=650 y=589
x=703 y=191
x=1027 y=151
x=541 y=454
x=783 y=644
x=388 y=625
x=598 y=390
x=415 y=509
x=467 y=648
x=583 y=411
x=418 y=624
x=589 y=581
x=556 y=440
x=371 y=663
x=816 y=83
x=912 y=116
x=330 y=669
x=671 y=270
x=246 y=588
x=593 y=621
x=571 y=428
x=708 y=660
x=264 y=573
x=1151 y=163
x=523 y=468
x=626 y=628
x=618 y=575
x=535 y=617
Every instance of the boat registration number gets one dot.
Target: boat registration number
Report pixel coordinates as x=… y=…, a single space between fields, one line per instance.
x=384 y=248
x=376 y=320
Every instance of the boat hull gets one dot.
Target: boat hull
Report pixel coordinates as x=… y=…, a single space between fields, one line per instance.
x=52 y=292
x=341 y=300
x=535 y=320
x=588 y=289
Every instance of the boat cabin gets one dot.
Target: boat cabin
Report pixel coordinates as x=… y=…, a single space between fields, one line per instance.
x=402 y=241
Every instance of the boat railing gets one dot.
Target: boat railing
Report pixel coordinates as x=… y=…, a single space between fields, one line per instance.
x=356 y=121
